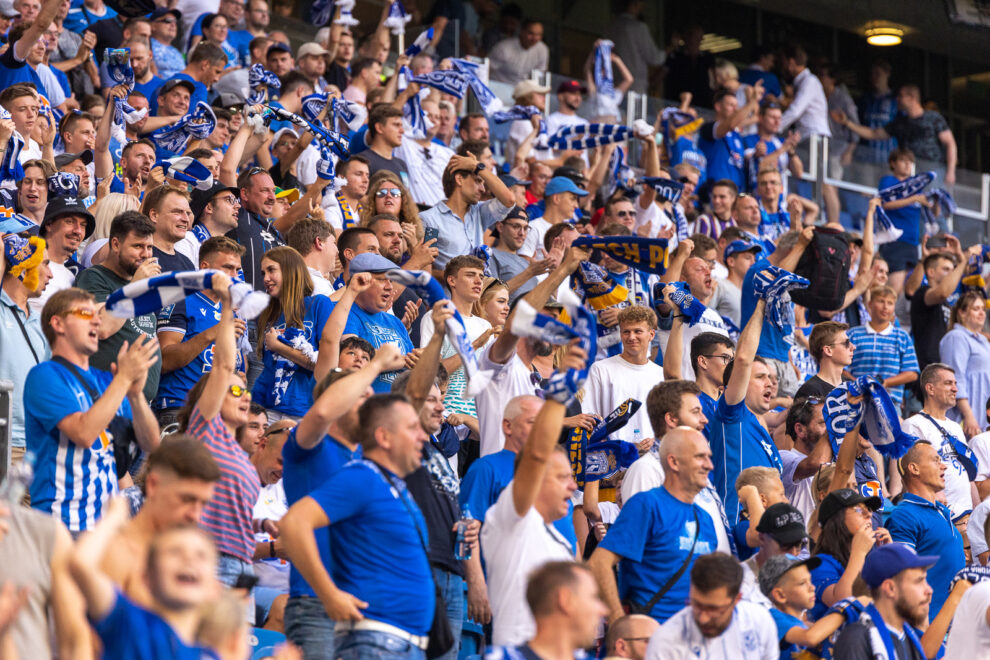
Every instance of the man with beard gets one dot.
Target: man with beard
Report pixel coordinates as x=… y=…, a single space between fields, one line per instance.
x=129 y=260
x=922 y=522
x=67 y=223
x=806 y=426
x=145 y=81
x=902 y=601
x=570 y=93
x=716 y=624
x=511 y=358
x=425 y=158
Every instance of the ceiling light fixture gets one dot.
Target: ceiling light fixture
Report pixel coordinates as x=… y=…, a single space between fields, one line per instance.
x=884 y=36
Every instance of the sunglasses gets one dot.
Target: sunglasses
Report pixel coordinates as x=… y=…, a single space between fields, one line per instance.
x=390 y=192
x=84 y=314
x=624 y=214
x=239 y=391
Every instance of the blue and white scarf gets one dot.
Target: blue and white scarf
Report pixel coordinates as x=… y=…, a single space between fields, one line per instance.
x=875 y=414
x=198 y=124
x=187 y=170
x=285 y=368
x=484 y=253
x=884 y=230
x=332 y=140
x=449 y=82
x=427 y=288
x=352 y=114
x=942 y=205
x=412 y=111
x=620 y=175
x=773 y=284
x=593 y=456
x=589 y=136
x=525 y=113
x=649 y=255
x=690 y=307
x=117 y=63
x=12 y=222
x=879 y=638
x=667 y=189
x=422 y=41
x=10 y=167
x=397 y=18
x=676 y=124
x=604 y=81
x=261 y=81
x=346 y=17
x=489 y=102
x=155 y=293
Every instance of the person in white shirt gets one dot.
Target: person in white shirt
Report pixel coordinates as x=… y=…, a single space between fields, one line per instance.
x=314 y=240
x=518 y=535
x=425 y=159
x=969 y=636
x=629 y=375
x=805 y=424
x=511 y=359
x=527 y=92
x=980 y=444
x=717 y=624
x=515 y=58
x=570 y=94
x=938 y=386
x=808 y=112
x=672 y=404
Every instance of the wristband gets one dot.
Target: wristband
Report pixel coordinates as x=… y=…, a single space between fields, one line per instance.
x=271 y=548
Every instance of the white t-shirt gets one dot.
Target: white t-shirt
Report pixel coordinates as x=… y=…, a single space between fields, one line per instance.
x=613 y=380
x=321 y=285
x=510 y=380
x=710 y=322
x=975 y=530
x=750 y=588
x=558 y=120
x=189 y=248
x=752 y=635
x=799 y=492
x=980 y=444
x=513 y=548
x=647 y=473
x=533 y=242
x=969 y=636
x=62 y=278
x=958 y=495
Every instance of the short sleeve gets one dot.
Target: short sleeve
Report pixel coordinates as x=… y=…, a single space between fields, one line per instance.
x=336 y=495
x=51 y=396
x=119 y=623
x=476 y=488
x=727 y=413
x=93 y=281
x=909 y=359
x=628 y=535
x=172 y=318
x=824 y=577
x=938 y=123
x=707 y=132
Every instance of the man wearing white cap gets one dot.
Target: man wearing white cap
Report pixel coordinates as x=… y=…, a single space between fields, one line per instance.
x=311 y=63
x=527 y=92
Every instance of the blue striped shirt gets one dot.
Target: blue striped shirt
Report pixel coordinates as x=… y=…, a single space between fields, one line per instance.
x=882 y=354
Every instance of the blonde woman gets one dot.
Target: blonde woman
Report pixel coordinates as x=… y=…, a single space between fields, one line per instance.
x=386 y=194
x=105 y=210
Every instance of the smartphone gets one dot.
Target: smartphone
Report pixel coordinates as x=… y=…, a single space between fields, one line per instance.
x=430 y=234
x=937 y=241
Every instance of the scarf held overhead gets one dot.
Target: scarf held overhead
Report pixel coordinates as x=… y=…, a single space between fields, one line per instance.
x=155 y=293
x=649 y=255
x=875 y=414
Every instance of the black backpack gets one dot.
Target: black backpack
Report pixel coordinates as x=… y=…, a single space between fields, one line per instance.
x=825 y=264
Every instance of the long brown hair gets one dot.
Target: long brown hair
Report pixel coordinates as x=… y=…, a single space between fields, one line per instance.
x=408 y=212
x=835 y=539
x=290 y=301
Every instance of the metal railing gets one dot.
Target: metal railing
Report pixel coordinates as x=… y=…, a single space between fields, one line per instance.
x=6 y=411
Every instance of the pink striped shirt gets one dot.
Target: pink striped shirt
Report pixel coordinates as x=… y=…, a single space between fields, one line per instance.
x=227 y=516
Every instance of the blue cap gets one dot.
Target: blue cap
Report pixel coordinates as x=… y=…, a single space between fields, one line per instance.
x=886 y=561
x=740 y=245
x=561 y=184
x=370 y=262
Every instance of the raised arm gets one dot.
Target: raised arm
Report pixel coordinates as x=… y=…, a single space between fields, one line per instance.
x=23 y=46
x=102 y=160
x=424 y=374
x=947 y=286
x=333 y=331
x=84 y=565
x=864 y=132
x=790 y=260
x=736 y=121
x=749 y=340
x=224 y=353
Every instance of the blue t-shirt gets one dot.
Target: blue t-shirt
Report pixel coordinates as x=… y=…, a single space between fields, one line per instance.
x=785 y=622
x=708 y=408
x=724 y=155
x=80 y=17
x=772 y=344
x=129 y=631
x=241 y=41
x=738 y=441
x=191 y=316
x=827 y=573
x=927 y=527
x=685 y=150
x=907 y=219
x=653 y=534
x=288 y=388
x=743 y=549
x=149 y=88
x=13 y=71
x=70 y=482
x=487 y=478
x=303 y=471
x=199 y=92
x=379 y=329
x=377 y=536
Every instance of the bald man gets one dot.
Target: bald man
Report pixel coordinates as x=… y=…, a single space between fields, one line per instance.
x=627 y=637
x=642 y=537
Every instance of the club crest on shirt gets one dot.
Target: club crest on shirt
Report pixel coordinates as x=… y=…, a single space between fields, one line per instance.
x=749 y=640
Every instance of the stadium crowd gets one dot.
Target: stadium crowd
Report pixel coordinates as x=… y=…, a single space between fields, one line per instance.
x=300 y=353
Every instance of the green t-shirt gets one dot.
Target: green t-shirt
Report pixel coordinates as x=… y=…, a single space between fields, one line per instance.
x=101 y=282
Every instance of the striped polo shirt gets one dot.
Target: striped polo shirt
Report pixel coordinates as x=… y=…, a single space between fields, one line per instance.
x=227 y=516
x=882 y=354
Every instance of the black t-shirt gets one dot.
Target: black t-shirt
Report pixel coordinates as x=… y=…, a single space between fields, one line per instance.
x=395 y=165
x=285 y=181
x=109 y=34
x=854 y=644
x=435 y=488
x=814 y=387
x=337 y=75
x=920 y=134
x=258 y=236
x=929 y=323
x=172 y=262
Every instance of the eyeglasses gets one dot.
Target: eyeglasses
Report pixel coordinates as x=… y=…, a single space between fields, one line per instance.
x=167 y=21
x=724 y=357
x=536 y=379
x=847 y=343
x=239 y=391
x=84 y=314
x=390 y=192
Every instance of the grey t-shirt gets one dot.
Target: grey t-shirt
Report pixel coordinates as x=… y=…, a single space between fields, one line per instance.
x=727 y=301
x=506 y=265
